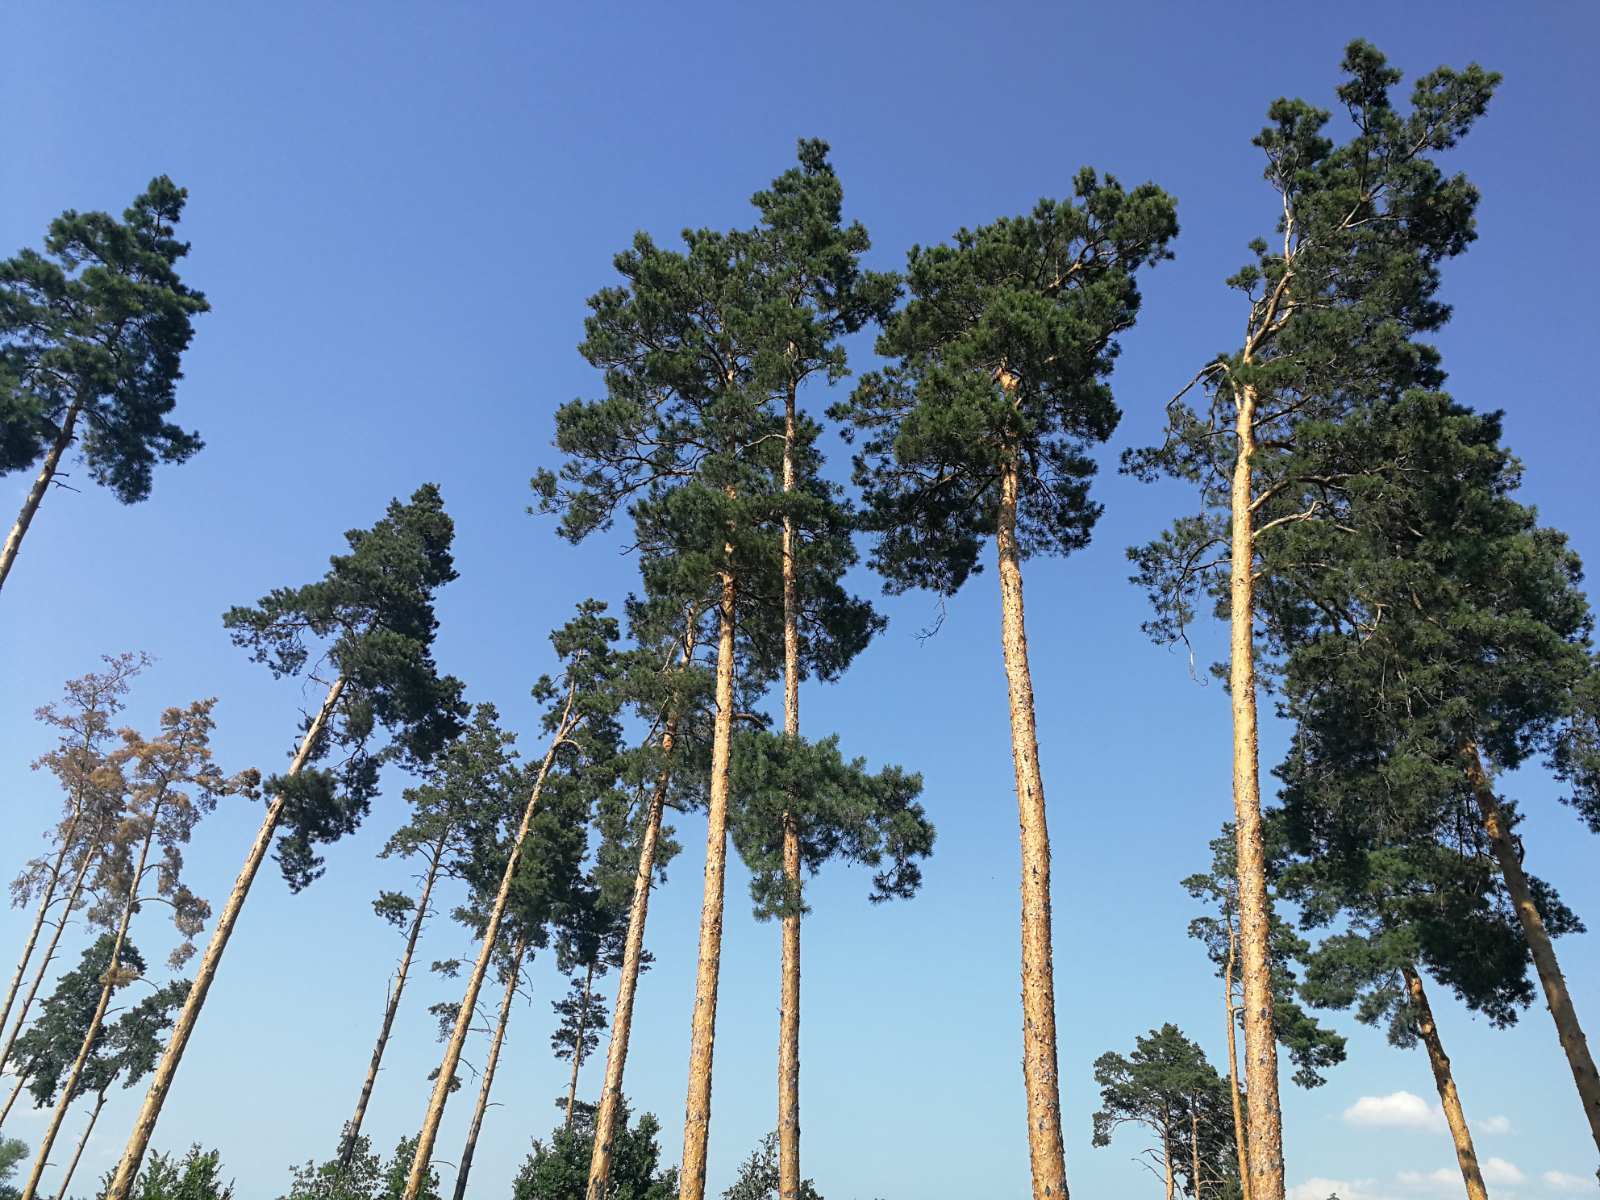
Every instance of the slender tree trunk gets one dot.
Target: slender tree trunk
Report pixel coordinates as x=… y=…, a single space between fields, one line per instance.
x=49 y=957
x=1255 y=908
x=41 y=483
x=1553 y=982
x=1166 y=1158
x=72 y=1167
x=605 y=1121
x=91 y=1035
x=1046 y=1153
x=353 y=1129
x=1449 y=1100
x=144 y=1125
x=22 y=1082
x=482 y=1107
x=46 y=897
x=703 y=1025
x=469 y=1001
x=1194 y=1147
x=1240 y=1145
x=789 y=1003
x=577 y=1049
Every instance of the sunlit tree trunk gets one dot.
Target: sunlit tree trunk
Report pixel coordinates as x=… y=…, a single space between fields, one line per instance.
x=482 y=1107
x=1166 y=1155
x=41 y=483
x=789 y=1002
x=166 y=1071
x=91 y=1034
x=702 y=1030
x=1265 y=1125
x=1444 y=1081
x=1240 y=1145
x=605 y=1122
x=429 y=1133
x=72 y=1167
x=1047 y=1155
x=353 y=1129
x=577 y=1049
x=45 y=898
x=1551 y=980
x=22 y=1081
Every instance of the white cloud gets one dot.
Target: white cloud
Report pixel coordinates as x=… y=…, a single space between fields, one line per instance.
x=1318 y=1188
x=1442 y=1180
x=1397 y=1110
x=1492 y=1125
x=1498 y=1170
x=1560 y=1181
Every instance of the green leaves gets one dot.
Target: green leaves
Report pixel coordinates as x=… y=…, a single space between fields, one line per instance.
x=1003 y=352
x=98 y=324
x=368 y=622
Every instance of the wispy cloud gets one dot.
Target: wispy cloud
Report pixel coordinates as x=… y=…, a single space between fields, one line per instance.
x=1560 y=1181
x=1320 y=1188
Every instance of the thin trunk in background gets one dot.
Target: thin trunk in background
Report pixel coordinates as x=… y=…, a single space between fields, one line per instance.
x=41 y=483
x=391 y=1007
x=577 y=1049
x=1240 y=1145
x=476 y=1127
x=44 y=963
x=72 y=1167
x=1444 y=1081
x=127 y=1171
x=1573 y=1042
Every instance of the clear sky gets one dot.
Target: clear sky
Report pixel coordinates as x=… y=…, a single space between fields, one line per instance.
x=397 y=211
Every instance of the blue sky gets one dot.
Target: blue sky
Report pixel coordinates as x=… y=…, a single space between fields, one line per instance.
x=397 y=212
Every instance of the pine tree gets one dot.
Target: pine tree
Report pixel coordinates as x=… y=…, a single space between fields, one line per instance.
x=1331 y=312
x=365 y=630
x=1167 y=1088
x=1449 y=640
x=170 y=782
x=982 y=431
x=557 y=1169
x=92 y=333
x=471 y=773
x=581 y=723
x=92 y=804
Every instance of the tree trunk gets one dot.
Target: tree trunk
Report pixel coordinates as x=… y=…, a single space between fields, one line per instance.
x=1194 y=1147
x=22 y=1081
x=353 y=1129
x=1265 y=1126
x=1240 y=1144
x=52 y=462
x=1449 y=1100
x=476 y=1127
x=45 y=899
x=703 y=1025
x=577 y=1048
x=789 y=1003
x=1047 y=1156
x=605 y=1121
x=72 y=1167
x=144 y=1125
x=91 y=1034
x=1553 y=982
x=49 y=957
x=469 y=1001
x=1166 y=1158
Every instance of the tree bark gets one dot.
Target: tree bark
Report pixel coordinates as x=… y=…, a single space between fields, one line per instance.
x=1445 y=1082
x=49 y=957
x=577 y=1049
x=703 y=1024
x=789 y=1002
x=1265 y=1128
x=353 y=1129
x=1240 y=1144
x=52 y=462
x=144 y=1125
x=1166 y=1157
x=91 y=1034
x=1551 y=980
x=72 y=1167
x=1047 y=1155
x=476 y=1127
x=429 y=1133
x=605 y=1121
